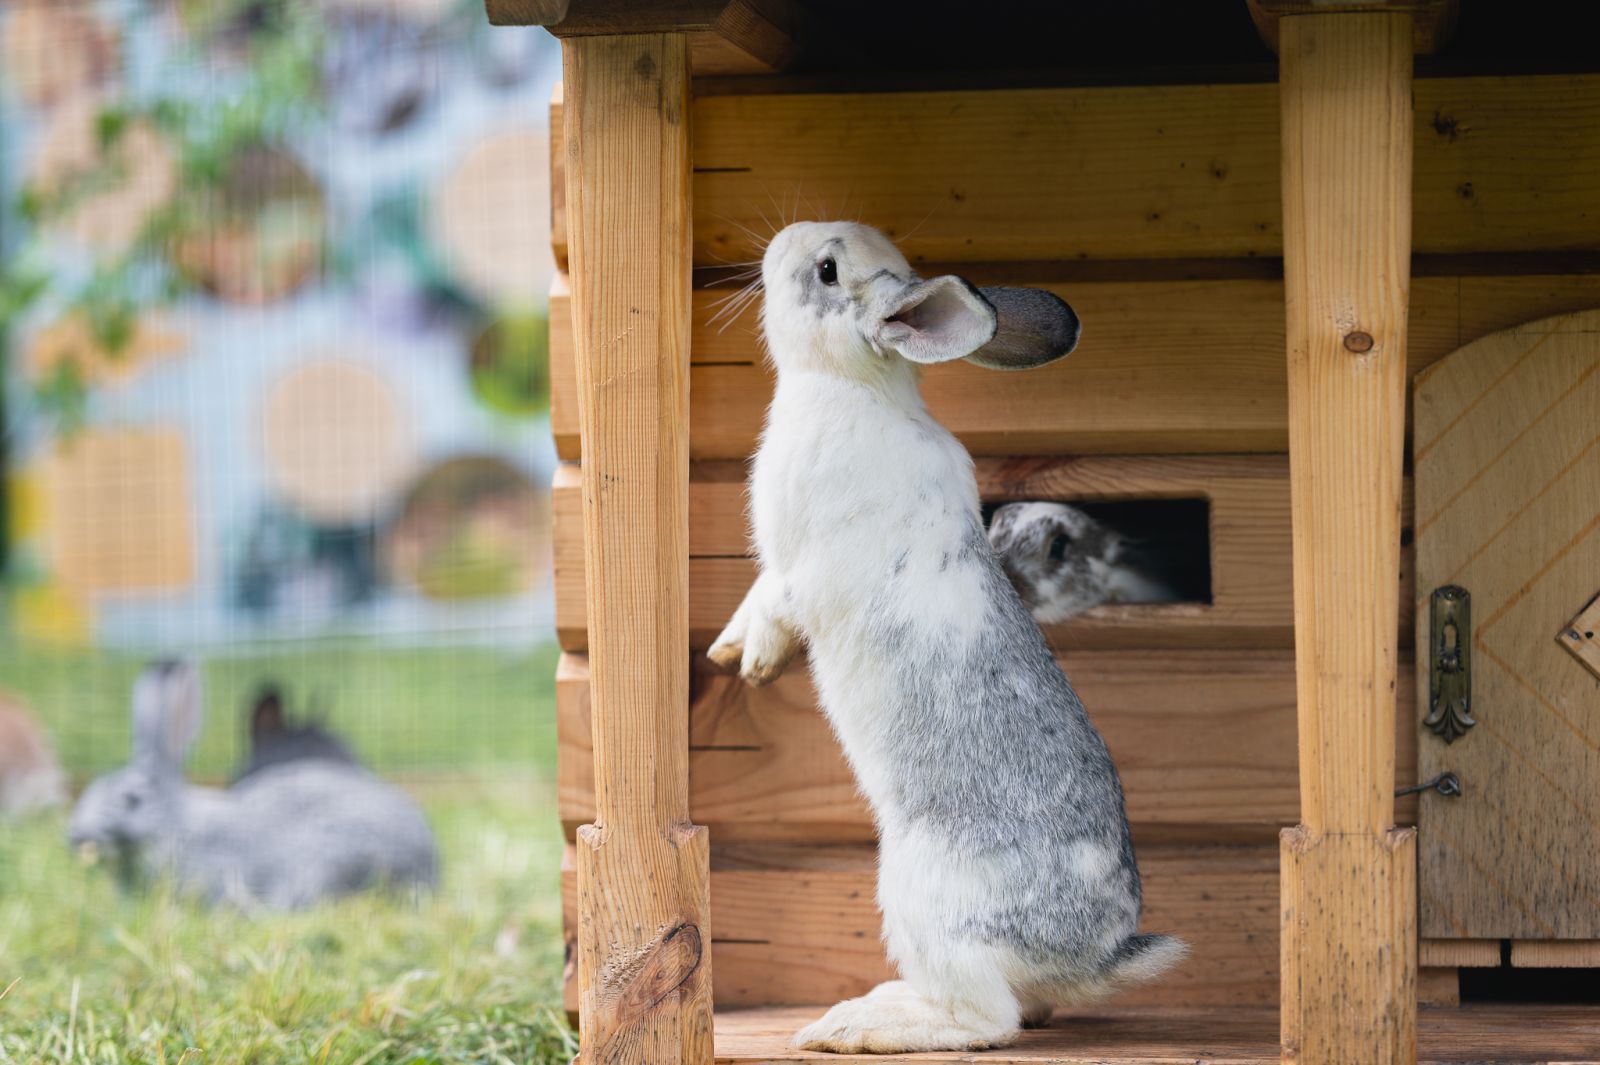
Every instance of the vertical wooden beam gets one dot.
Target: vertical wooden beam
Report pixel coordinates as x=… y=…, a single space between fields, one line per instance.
x=644 y=959
x=1348 y=876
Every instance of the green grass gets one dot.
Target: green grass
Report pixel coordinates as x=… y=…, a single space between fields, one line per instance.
x=419 y=710
x=470 y=975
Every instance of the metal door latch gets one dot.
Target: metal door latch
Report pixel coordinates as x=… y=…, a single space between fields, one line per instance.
x=1446 y=784
x=1450 y=672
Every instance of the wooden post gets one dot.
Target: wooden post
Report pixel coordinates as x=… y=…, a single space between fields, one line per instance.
x=1348 y=876
x=644 y=961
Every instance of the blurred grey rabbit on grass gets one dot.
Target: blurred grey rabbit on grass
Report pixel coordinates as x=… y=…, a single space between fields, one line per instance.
x=286 y=837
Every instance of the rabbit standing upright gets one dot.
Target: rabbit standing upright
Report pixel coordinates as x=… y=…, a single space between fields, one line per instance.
x=30 y=777
x=288 y=836
x=1006 y=874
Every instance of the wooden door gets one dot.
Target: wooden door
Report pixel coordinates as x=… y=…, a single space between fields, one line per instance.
x=1507 y=462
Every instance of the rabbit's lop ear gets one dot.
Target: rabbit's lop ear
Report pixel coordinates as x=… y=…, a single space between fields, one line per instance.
x=1035 y=327
x=937 y=320
x=166 y=713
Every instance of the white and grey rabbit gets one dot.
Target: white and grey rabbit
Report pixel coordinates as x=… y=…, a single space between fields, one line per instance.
x=1063 y=562
x=1006 y=875
x=285 y=838
x=30 y=777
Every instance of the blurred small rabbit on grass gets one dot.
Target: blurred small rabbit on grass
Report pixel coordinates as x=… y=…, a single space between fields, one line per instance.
x=286 y=837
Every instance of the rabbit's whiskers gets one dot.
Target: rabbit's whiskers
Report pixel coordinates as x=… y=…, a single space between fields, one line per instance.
x=730 y=307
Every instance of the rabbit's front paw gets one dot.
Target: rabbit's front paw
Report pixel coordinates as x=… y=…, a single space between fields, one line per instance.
x=727 y=652
x=767 y=653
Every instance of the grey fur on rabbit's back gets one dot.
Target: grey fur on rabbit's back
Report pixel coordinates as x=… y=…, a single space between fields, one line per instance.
x=1000 y=757
x=331 y=830
x=287 y=837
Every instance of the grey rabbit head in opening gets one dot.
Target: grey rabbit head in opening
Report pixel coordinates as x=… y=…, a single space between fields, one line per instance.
x=1063 y=562
x=841 y=297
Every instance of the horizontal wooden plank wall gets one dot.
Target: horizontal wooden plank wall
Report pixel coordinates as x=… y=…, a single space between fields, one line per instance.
x=1142 y=206
x=1163 y=367
x=1251 y=606
x=1502 y=164
x=799 y=924
x=1204 y=741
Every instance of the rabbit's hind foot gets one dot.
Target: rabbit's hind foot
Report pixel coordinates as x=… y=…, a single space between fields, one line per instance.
x=895 y=1019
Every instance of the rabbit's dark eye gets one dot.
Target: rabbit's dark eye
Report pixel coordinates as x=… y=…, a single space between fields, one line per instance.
x=131 y=800
x=828 y=272
x=1058 y=547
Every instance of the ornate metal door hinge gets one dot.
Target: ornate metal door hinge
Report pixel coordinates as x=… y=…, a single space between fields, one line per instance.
x=1450 y=663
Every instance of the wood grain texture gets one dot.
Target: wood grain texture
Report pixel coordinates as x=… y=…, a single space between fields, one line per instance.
x=558 y=235
x=1174 y=366
x=1249 y=532
x=1348 y=877
x=1508 y=491
x=1555 y=954
x=799 y=924
x=1346 y=157
x=1349 y=941
x=1202 y=740
x=1438 y=987
x=1487 y=1034
x=643 y=963
x=1459 y=953
x=1502 y=164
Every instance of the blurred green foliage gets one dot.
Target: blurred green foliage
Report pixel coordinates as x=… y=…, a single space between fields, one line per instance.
x=274 y=89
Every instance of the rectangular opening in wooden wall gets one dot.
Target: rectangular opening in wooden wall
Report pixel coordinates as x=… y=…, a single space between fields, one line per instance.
x=1247 y=538
x=1159 y=549
x=1507 y=983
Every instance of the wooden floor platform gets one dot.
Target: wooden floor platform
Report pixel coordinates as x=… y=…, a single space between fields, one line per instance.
x=1483 y=1035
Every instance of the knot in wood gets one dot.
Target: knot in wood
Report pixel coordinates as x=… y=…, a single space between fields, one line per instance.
x=1358 y=342
x=667 y=967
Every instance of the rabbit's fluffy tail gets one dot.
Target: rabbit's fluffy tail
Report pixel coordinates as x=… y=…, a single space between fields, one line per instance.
x=1138 y=958
x=1142 y=957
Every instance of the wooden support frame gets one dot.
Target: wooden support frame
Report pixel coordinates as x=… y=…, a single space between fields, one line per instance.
x=725 y=36
x=643 y=870
x=1349 y=951
x=1432 y=21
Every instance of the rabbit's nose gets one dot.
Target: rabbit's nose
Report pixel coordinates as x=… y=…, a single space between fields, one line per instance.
x=88 y=852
